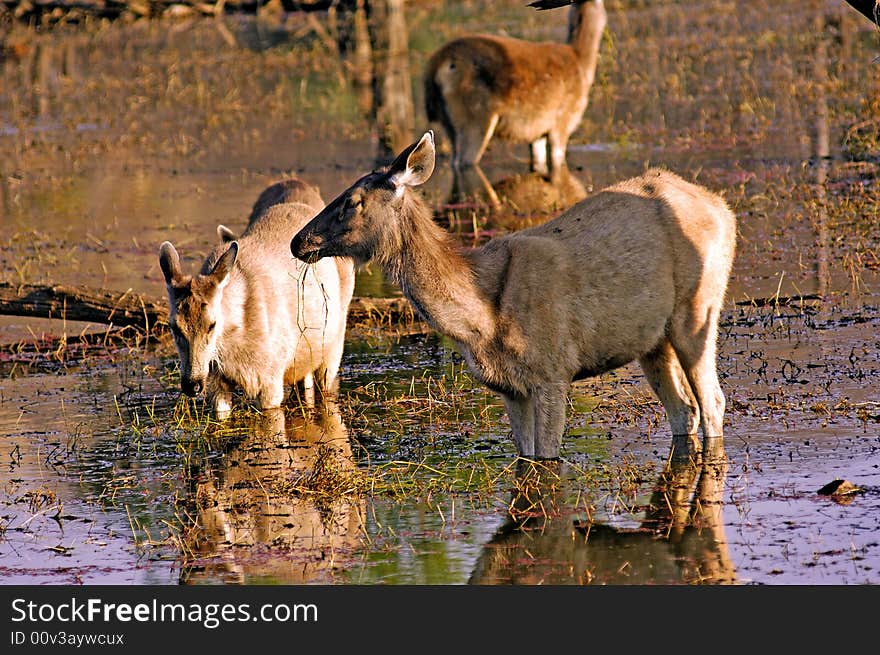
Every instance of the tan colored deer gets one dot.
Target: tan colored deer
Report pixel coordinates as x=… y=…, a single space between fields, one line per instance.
x=482 y=85
x=637 y=271
x=252 y=522
x=256 y=319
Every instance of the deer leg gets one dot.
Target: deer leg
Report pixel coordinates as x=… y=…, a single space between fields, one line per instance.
x=538 y=162
x=669 y=382
x=471 y=142
x=550 y=404
x=327 y=383
x=308 y=385
x=220 y=394
x=272 y=394
x=694 y=341
x=558 y=144
x=328 y=372
x=471 y=184
x=522 y=424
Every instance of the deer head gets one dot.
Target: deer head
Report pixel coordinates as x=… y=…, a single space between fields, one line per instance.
x=196 y=316
x=363 y=217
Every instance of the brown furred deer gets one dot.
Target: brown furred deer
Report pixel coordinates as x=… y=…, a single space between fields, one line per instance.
x=482 y=85
x=256 y=319
x=636 y=271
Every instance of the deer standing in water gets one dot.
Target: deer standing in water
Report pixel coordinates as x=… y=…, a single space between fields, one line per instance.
x=637 y=271
x=482 y=85
x=252 y=317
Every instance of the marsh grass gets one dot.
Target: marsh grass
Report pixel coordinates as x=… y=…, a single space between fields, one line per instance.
x=444 y=478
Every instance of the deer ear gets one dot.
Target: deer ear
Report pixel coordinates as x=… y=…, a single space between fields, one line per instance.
x=415 y=164
x=226 y=235
x=169 y=261
x=224 y=265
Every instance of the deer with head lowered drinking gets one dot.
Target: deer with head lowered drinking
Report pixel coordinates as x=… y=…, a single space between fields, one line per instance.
x=636 y=271
x=253 y=317
x=482 y=85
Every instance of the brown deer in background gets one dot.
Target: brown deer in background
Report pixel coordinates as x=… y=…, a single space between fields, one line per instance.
x=253 y=318
x=482 y=85
x=637 y=271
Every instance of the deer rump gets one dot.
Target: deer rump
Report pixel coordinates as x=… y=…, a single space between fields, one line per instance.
x=530 y=86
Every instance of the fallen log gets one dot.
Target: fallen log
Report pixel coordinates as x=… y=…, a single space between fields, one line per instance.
x=390 y=313
x=121 y=309
x=137 y=310
x=778 y=301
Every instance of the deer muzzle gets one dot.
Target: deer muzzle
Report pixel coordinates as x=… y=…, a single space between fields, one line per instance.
x=192 y=386
x=306 y=246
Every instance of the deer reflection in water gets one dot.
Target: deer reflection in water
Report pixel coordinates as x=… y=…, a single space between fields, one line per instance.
x=680 y=540
x=279 y=503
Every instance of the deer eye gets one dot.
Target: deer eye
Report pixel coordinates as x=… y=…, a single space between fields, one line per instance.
x=211 y=327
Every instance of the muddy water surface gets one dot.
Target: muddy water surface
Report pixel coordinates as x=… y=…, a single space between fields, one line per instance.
x=116 y=137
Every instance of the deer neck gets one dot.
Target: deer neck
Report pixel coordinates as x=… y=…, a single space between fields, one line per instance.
x=586 y=25
x=439 y=282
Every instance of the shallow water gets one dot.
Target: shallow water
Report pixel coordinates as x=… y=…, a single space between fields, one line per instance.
x=116 y=138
